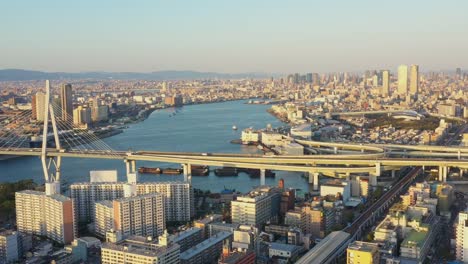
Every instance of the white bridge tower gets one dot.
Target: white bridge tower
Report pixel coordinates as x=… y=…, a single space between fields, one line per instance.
x=50 y=165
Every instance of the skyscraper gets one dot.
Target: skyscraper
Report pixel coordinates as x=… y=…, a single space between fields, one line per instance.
x=66 y=102
x=403 y=79
x=385 y=83
x=414 y=80
x=39 y=105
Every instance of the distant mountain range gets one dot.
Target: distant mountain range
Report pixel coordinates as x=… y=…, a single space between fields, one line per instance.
x=25 y=75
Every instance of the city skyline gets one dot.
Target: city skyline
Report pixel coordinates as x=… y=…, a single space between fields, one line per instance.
x=246 y=37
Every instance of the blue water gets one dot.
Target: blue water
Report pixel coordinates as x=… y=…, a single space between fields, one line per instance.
x=195 y=128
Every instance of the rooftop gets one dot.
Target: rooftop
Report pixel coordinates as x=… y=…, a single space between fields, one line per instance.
x=193 y=251
x=414 y=238
x=140 y=245
x=363 y=246
x=284 y=247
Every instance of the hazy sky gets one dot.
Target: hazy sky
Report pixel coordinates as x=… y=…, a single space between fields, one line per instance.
x=232 y=35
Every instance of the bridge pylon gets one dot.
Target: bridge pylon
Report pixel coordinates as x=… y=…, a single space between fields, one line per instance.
x=50 y=165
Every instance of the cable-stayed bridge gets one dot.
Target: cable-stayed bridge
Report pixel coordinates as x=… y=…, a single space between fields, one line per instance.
x=60 y=138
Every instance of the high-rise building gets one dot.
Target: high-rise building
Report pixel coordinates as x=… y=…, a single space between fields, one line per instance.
x=81 y=115
x=104 y=218
x=317 y=221
x=141 y=215
x=461 y=245
x=414 y=80
x=362 y=252
x=86 y=194
x=403 y=79
x=385 y=83
x=45 y=215
x=138 y=250
x=9 y=246
x=178 y=197
x=39 y=106
x=256 y=208
x=66 y=102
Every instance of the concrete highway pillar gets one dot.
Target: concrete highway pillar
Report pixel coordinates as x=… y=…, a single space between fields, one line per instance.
x=133 y=166
x=441 y=173
x=127 y=166
x=393 y=173
x=311 y=177
x=377 y=169
x=335 y=150
x=446 y=170
x=262 y=177
x=316 y=181
x=187 y=172
x=372 y=179
x=348 y=176
x=459 y=154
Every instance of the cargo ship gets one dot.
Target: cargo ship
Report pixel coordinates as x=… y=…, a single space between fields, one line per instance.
x=255 y=173
x=146 y=170
x=172 y=171
x=226 y=171
x=200 y=170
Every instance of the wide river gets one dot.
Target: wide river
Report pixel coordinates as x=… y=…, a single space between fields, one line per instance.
x=195 y=128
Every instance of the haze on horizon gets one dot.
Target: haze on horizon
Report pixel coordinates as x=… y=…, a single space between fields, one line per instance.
x=233 y=36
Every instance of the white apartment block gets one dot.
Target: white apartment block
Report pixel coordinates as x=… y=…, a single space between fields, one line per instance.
x=461 y=245
x=104 y=218
x=178 y=197
x=141 y=215
x=254 y=209
x=9 y=247
x=86 y=194
x=51 y=216
x=137 y=250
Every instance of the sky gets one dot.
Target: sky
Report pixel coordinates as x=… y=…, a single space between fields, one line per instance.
x=232 y=36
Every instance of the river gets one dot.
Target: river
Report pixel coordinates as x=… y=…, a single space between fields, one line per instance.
x=193 y=128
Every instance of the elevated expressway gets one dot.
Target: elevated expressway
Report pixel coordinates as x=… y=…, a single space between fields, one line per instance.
x=349 y=159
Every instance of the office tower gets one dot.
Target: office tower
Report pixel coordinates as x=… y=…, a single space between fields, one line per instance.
x=461 y=243
x=309 y=77
x=316 y=79
x=256 y=208
x=385 y=83
x=414 y=80
x=403 y=79
x=43 y=215
x=82 y=115
x=33 y=107
x=458 y=72
x=362 y=252
x=208 y=251
x=138 y=250
x=104 y=217
x=9 y=246
x=141 y=215
x=66 y=102
x=39 y=105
